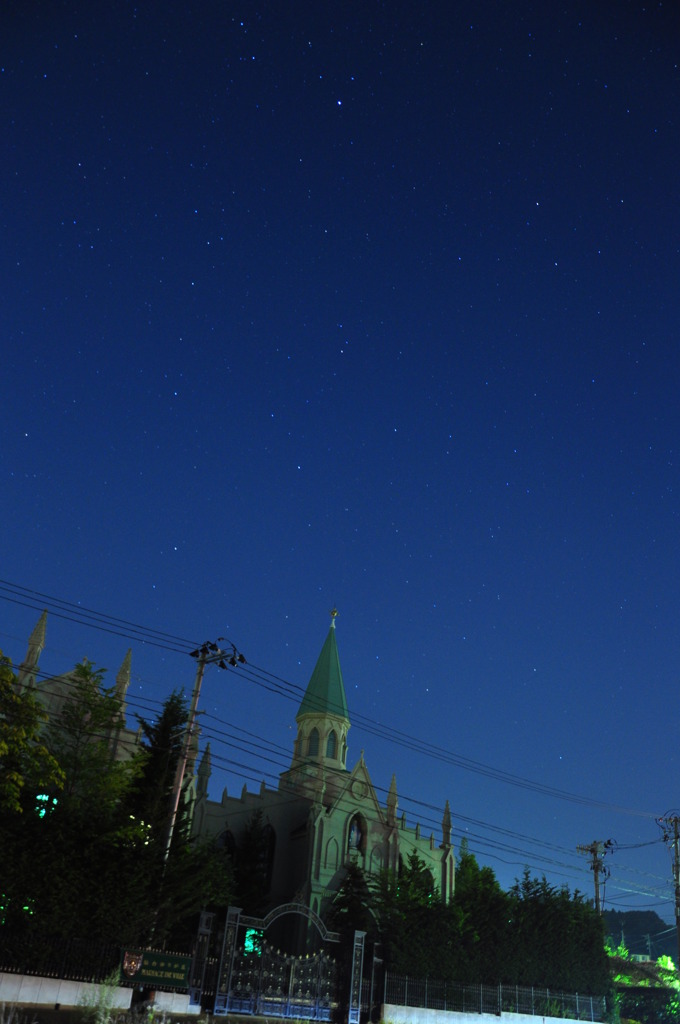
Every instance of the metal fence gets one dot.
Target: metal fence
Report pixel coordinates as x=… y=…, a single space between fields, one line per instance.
x=494 y=999
x=68 y=959
x=79 y=960
x=71 y=959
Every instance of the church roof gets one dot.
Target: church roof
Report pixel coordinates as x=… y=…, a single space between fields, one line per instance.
x=325 y=694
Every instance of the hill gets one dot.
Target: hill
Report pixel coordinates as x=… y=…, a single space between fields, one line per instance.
x=642 y=932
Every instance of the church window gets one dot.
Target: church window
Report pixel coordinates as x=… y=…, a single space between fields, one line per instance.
x=332 y=744
x=356 y=839
x=331 y=863
x=226 y=841
x=376 y=860
x=313 y=743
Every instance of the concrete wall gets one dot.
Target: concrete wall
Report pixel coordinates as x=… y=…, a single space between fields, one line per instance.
x=27 y=990
x=415 y=1015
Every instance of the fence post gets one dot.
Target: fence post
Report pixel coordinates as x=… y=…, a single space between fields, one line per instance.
x=355 y=988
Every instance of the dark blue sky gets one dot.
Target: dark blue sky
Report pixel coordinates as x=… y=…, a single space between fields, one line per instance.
x=367 y=305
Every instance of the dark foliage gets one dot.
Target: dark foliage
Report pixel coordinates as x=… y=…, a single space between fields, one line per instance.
x=561 y=938
x=253 y=860
x=649 y=1005
x=86 y=861
x=487 y=950
x=351 y=911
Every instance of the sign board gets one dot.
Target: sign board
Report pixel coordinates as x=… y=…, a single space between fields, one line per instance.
x=155 y=969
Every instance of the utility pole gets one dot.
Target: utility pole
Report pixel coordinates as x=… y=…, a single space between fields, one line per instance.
x=208 y=654
x=597 y=850
x=670 y=826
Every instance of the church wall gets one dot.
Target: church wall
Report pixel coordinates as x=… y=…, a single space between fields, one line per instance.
x=285 y=813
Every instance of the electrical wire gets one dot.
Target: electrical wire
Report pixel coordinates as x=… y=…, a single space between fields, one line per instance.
x=277 y=755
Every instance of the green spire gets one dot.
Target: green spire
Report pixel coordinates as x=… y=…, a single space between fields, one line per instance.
x=325 y=694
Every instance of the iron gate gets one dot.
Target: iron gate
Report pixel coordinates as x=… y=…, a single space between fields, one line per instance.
x=269 y=983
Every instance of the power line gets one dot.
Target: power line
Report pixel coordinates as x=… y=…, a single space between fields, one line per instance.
x=281 y=687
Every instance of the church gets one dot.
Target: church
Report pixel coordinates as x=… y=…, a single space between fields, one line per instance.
x=324 y=815
x=321 y=817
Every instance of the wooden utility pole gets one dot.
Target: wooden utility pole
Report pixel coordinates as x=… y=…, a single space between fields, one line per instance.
x=597 y=850
x=210 y=653
x=671 y=835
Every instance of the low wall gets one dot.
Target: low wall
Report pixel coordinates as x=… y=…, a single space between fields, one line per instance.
x=416 y=1015
x=27 y=990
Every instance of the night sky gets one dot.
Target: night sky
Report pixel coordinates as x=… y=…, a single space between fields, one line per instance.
x=367 y=305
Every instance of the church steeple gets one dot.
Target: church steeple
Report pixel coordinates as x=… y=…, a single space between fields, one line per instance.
x=29 y=667
x=392 y=803
x=325 y=693
x=123 y=681
x=323 y=723
x=446 y=825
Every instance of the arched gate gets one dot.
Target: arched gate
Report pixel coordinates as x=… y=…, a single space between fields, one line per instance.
x=257 y=979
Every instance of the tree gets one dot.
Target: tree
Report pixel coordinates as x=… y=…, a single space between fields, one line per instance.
x=418 y=931
x=26 y=766
x=72 y=868
x=253 y=860
x=487 y=950
x=80 y=737
x=350 y=911
x=197 y=875
x=152 y=796
x=561 y=938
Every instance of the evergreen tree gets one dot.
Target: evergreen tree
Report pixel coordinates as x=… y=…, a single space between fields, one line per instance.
x=352 y=906
x=152 y=795
x=419 y=933
x=254 y=857
x=487 y=952
x=194 y=874
x=350 y=911
x=561 y=938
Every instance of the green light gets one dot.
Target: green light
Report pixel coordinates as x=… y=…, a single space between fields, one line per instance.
x=252 y=945
x=45 y=804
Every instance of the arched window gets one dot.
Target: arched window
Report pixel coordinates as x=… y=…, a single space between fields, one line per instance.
x=356 y=838
x=332 y=744
x=267 y=854
x=313 y=743
x=226 y=841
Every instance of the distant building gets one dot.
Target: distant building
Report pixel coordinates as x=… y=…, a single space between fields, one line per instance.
x=324 y=816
